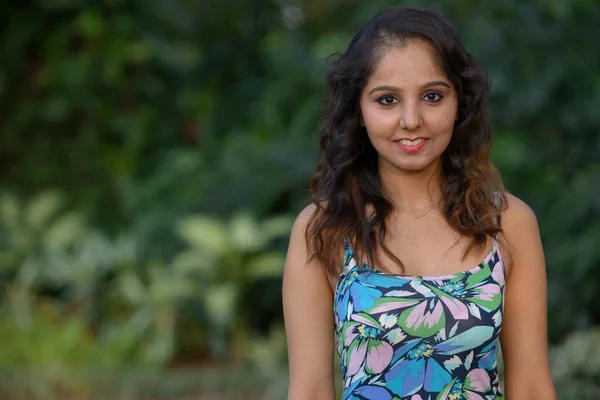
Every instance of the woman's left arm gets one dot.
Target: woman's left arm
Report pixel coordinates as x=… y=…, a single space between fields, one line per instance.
x=524 y=336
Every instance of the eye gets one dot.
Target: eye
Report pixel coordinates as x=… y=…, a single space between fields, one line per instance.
x=387 y=100
x=433 y=97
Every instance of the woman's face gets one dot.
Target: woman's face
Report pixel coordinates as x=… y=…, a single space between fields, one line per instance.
x=409 y=107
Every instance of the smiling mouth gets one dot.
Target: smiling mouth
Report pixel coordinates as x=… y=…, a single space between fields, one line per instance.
x=411 y=146
x=413 y=142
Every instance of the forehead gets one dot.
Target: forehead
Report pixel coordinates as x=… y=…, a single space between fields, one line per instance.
x=408 y=66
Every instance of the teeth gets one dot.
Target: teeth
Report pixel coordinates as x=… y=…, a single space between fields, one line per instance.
x=408 y=142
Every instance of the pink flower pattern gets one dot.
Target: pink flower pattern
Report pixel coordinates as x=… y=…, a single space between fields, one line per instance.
x=419 y=338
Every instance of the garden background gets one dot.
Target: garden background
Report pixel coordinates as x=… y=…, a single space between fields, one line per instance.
x=153 y=155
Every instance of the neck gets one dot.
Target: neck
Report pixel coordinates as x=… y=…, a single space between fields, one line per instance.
x=413 y=192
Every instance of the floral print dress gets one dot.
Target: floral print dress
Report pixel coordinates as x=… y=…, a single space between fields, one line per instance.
x=419 y=338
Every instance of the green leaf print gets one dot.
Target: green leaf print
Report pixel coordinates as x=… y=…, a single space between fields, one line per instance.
x=365 y=318
x=423 y=321
x=387 y=304
x=446 y=390
x=486 y=301
x=479 y=276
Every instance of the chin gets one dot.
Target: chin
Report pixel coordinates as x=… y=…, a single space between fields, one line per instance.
x=414 y=166
x=410 y=164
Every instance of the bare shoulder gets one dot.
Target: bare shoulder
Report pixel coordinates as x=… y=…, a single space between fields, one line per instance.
x=298 y=257
x=298 y=235
x=520 y=228
x=305 y=215
x=517 y=214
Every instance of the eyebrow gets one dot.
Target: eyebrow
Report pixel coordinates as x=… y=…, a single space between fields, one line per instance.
x=394 y=88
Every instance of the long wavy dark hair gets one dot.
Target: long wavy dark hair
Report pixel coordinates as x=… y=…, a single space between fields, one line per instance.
x=351 y=201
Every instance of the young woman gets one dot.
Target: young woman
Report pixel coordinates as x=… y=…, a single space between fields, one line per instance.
x=411 y=254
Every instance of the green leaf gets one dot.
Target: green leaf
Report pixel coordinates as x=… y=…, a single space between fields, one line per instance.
x=204 y=233
x=371 y=321
x=220 y=302
x=67 y=230
x=488 y=305
x=277 y=226
x=245 y=234
x=266 y=265
x=90 y=23
x=132 y=288
x=28 y=272
x=10 y=210
x=478 y=276
x=193 y=261
x=420 y=328
x=446 y=390
x=42 y=207
x=166 y=287
x=394 y=303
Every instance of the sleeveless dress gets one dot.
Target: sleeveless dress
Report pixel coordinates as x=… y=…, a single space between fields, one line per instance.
x=404 y=337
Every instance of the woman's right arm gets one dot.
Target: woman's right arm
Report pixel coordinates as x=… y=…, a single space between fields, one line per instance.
x=308 y=315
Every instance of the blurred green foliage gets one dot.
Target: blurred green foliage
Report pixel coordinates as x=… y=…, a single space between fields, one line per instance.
x=153 y=154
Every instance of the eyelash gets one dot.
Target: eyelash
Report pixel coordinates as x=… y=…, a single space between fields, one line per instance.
x=387 y=96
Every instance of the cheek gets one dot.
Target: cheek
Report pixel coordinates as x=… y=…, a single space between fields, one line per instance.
x=442 y=123
x=380 y=123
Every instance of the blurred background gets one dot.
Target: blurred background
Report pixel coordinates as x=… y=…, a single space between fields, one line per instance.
x=153 y=155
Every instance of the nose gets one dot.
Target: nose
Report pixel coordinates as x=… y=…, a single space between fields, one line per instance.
x=411 y=116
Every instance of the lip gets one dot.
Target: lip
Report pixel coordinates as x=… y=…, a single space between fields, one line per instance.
x=414 y=148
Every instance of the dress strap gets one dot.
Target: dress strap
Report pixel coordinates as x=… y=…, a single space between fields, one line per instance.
x=348 y=261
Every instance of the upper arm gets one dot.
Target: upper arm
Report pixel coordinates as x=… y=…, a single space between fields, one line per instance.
x=524 y=328
x=308 y=316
